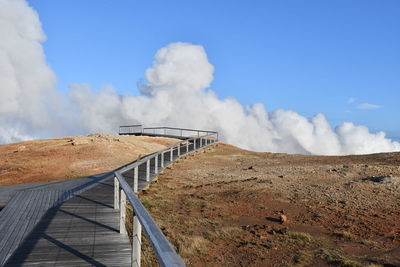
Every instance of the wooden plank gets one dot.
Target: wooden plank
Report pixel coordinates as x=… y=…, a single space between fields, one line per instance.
x=16 y=231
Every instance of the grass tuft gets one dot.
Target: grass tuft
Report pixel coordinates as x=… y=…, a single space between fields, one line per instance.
x=333 y=257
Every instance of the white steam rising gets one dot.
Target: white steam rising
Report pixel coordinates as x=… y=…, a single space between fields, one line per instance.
x=175 y=93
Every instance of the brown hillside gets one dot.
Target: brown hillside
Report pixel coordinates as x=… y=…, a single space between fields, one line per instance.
x=71 y=157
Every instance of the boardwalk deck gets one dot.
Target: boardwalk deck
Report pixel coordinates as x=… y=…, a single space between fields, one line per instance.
x=83 y=231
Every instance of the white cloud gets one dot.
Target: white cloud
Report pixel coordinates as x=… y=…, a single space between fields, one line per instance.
x=27 y=97
x=175 y=93
x=368 y=106
x=351 y=100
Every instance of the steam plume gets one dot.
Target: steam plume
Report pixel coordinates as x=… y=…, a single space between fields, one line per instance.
x=176 y=93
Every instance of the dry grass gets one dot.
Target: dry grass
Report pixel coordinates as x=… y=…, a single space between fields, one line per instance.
x=344 y=235
x=228 y=233
x=337 y=259
x=190 y=246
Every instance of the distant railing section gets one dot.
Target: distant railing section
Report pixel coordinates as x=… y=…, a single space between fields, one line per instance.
x=130 y=129
x=166 y=131
x=123 y=192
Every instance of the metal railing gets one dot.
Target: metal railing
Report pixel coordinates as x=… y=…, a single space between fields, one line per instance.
x=123 y=192
x=130 y=129
x=166 y=131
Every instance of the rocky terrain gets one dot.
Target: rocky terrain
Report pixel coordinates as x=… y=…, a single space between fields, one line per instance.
x=230 y=207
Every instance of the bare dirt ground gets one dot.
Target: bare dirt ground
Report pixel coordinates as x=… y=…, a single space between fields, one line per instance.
x=66 y=158
x=230 y=207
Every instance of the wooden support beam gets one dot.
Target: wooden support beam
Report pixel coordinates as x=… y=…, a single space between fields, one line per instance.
x=136 y=179
x=156 y=164
x=122 y=213
x=148 y=170
x=136 y=242
x=116 y=193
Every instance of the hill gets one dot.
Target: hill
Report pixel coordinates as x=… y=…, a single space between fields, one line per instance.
x=66 y=158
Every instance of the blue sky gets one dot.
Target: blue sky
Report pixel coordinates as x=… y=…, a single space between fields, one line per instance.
x=308 y=56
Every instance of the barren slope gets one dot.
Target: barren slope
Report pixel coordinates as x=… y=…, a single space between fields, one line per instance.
x=71 y=157
x=223 y=208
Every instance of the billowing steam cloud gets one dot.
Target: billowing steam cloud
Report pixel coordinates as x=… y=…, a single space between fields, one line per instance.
x=175 y=93
x=27 y=99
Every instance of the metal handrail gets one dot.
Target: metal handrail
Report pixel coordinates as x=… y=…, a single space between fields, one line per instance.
x=166 y=254
x=164 y=251
x=174 y=128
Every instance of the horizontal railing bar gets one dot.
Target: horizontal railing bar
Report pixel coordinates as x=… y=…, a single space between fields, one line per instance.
x=136 y=125
x=166 y=254
x=173 y=128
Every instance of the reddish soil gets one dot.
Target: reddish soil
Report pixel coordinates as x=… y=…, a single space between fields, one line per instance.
x=231 y=207
x=72 y=157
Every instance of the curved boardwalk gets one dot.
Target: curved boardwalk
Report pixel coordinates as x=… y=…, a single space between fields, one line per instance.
x=71 y=223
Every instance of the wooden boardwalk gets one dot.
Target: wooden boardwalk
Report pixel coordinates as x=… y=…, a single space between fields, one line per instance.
x=71 y=223
x=74 y=223
x=81 y=231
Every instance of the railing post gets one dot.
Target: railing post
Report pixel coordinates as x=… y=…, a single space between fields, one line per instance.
x=116 y=193
x=135 y=179
x=179 y=149
x=194 y=143
x=187 y=146
x=136 y=242
x=162 y=160
x=122 y=213
x=201 y=142
x=171 y=154
x=147 y=170
x=156 y=164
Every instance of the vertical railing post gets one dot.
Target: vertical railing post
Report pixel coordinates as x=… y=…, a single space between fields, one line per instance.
x=136 y=242
x=179 y=149
x=147 y=170
x=187 y=146
x=136 y=179
x=171 y=154
x=162 y=160
x=201 y=142
x=122 y=213
x=194 y=143
x=116 y=193
x=156 y=164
